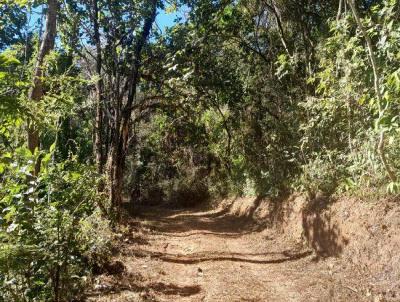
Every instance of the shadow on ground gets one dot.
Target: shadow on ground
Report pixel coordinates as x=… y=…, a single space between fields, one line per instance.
x=221 y=223
x=320 y=231
x=323 y=236
x=135 y=283
x=262 y=258
x=185 y=223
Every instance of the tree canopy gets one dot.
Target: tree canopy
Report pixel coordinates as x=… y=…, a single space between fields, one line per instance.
x=100 y=109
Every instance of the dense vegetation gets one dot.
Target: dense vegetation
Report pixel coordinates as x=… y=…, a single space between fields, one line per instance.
x=99 y=108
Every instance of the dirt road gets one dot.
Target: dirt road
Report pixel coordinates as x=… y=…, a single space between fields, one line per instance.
x=214 y=256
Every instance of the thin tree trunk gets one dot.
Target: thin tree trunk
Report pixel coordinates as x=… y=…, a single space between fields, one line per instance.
x=36 y=92
x=381 y=141
x=99 y=152
x=272 y=8
x=339 y=12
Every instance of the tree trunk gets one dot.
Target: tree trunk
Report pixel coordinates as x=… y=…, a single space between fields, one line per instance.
x=36 y=92
x=339 y=12
x=122 y=123
x=273 y=8
x=98 y=145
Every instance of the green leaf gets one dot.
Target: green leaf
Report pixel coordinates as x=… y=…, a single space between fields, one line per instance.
x=52 y=147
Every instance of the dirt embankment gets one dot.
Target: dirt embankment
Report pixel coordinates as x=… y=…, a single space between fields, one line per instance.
x=359 y=240
x=252 y=249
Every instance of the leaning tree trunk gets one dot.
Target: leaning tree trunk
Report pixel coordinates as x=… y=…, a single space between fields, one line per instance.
x=36 y=92
x=273 y=8
x=122 y=123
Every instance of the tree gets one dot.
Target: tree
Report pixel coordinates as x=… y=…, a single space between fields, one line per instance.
x=36 y=92
x=122 y=117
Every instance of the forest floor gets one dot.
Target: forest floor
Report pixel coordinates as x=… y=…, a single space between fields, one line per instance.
x=211 y=255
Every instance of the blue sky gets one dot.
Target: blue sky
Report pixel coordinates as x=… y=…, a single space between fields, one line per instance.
x=164 y=19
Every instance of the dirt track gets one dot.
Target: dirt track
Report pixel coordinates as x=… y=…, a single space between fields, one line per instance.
x=213 y=256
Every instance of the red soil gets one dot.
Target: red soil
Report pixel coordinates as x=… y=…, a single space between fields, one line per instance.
x=259 y=250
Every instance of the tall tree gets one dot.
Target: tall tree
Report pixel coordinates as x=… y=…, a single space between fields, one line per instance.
x=36 y=92
x=119 y=145
x=99 y=119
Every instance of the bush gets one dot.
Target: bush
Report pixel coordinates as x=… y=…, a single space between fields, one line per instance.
x=323 y=174
x=51 y=231
x=189 y=194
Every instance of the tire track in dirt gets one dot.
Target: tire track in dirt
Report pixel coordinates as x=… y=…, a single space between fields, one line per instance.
x=210 y=256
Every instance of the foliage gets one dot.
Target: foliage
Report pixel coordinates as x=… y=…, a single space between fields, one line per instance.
x=11 y=107
x=13 y=18
x=345 y=84
x=51 y=232
x=237 y=97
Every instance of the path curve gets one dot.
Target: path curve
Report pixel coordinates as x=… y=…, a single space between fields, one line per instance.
x=211 y=256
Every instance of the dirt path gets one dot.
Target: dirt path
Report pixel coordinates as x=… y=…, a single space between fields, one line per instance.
x=213 y=256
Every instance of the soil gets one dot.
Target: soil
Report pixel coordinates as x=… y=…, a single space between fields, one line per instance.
x=258 y=250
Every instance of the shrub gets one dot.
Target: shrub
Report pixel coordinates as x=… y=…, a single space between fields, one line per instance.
x=323 y=174
x=50 y=229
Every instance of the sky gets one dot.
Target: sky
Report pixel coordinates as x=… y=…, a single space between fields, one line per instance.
x=165 y=19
